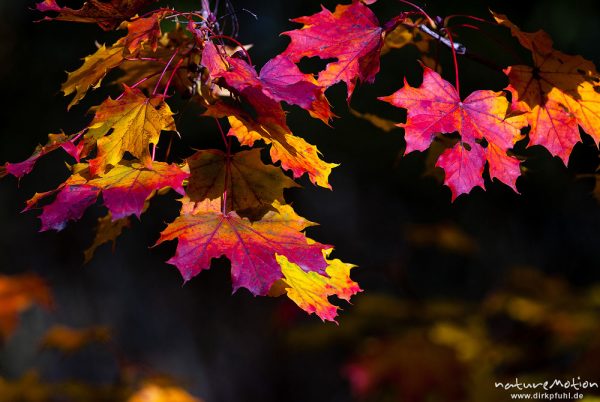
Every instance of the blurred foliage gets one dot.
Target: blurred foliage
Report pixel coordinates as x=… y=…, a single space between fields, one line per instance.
x=534 y=327
x=18 y=293
x=135 y=383
x=70 y=340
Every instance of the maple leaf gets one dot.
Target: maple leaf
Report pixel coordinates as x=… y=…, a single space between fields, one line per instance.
x=310 y=290
x=18 y=293
x=124 y=189
x=539 y=40
x=144 y=30
x=269 y=125
x=251 y=185
x=351 y=34
x=266 y=119
x=107 y=14
x=94 y=69
x=558 y=93
x=55 y=141
x=435 y=107
x=134 y=122
x=280 y=79
x=204 y=232
x=107 y=230
x=73 y=197
x=463 y=168
x=138 y=70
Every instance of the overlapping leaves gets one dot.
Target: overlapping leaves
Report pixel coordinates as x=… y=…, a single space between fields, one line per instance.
x=558 y=93
x=233 y=203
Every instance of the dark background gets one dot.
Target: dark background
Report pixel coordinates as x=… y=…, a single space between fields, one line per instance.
x=225 y=347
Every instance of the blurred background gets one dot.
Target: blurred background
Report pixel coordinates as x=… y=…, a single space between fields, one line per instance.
x=456 y=295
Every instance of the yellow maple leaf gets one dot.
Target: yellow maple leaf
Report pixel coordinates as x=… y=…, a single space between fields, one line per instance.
x=310 y=290
x=134 y=122
x=94 y=69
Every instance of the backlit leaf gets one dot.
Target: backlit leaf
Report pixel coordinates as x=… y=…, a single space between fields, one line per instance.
x=270 y=126
x=279 y=79
x=435 y=107
x=558 y=93
x=351 y=35
x=94 y=69
x=142 y=31
x=55 y=141
x=124 y=189
x=310 y=290
x=128 y=124
x=204 y=232
x=251 y=185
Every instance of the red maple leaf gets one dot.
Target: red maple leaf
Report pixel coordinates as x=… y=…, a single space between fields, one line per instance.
x=55 y=141
x=204 y=232
x=261 y=117
x=279 y=79
x=351 y=35
x=435 y=107
x=124 y=189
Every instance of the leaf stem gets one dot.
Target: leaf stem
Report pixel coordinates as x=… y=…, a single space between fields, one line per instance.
x=454 y=58
x=77 y=136
x=237 y=43
x=431 y=20
x=227 y=142
x=144 y=59
x=164 y=71
x=222 y=132
x=172 y=76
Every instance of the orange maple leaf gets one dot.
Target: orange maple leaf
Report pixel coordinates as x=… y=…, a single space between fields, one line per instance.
x=557 y=94
x=144 y=30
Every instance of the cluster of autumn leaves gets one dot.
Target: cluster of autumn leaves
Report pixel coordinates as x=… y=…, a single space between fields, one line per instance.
x=233 y=203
